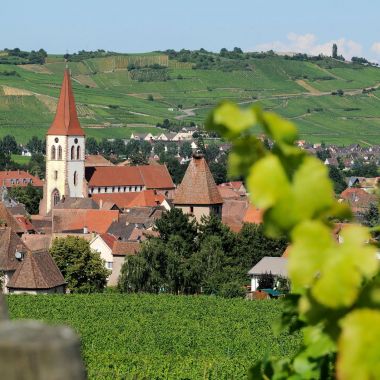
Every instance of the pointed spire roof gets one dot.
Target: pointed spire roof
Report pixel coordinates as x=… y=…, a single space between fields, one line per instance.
x=198 y=186
x=66 y=121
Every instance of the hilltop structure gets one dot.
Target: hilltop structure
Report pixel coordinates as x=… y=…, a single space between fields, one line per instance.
x=198 y=194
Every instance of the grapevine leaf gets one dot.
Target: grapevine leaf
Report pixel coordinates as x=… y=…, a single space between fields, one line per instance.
x=231 y=120
x=278 y=128
x=267 y=182
x=359 y=346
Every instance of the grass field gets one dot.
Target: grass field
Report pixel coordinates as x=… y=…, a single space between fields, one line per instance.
x=107 y=95
x=163 y=337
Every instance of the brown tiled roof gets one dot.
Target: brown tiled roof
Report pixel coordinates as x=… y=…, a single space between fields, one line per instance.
x=143 y=215
x=96 y=160
x=150 y=176
x=145 y=198
x=228 y=193
x=75 y=220
x=37 y=242
x=66 y=121
x=10 y=242
x=9 y=220
x=14 y=178
x=125 y=248
x=198 y=186
x=36 y=271
x=42 y=224
x=233 y=212
x=77 y=203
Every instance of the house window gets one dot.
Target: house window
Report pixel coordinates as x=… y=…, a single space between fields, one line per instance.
x=72 y=153
x=109 y=264
x=191 y=210
x=53 y=152
x=75 y=178
x=55 y=174
x=59 y=152
x=78 y=152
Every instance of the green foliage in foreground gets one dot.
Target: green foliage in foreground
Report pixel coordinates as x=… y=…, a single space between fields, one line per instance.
x=163 y=337
x=335 y=301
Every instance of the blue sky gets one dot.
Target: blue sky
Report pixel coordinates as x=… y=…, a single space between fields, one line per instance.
x=138 y=26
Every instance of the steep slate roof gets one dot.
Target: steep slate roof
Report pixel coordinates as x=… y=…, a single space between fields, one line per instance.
x=66 y=121
x=8 y=219
x=198 y=186
x=10 y=242
x=36 y=271
x=20 y=178
x=75 y=220
x=150 y=176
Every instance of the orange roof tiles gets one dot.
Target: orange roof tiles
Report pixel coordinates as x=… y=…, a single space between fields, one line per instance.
x=76 y=220
x=66 y=121
x=150 y=176
x=13 y=178
x=108 y=239
x=145 y=198
x=198 y=186
x=253 y=215
x=8 y=220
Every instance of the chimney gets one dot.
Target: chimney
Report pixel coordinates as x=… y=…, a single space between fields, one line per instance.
x=85 y=230
x=101 y=204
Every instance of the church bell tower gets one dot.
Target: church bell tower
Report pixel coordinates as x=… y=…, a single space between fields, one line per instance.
x=65 y=152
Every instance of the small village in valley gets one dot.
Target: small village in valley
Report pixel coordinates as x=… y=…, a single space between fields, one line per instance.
x=189 y=191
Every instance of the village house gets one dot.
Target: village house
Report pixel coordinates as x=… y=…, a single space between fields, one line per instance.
x=19 y=178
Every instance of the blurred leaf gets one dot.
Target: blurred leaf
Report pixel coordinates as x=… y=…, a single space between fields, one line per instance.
x=359 y=346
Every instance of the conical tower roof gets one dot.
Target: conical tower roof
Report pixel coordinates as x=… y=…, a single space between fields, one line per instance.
x=66 y=121
x=198 y=186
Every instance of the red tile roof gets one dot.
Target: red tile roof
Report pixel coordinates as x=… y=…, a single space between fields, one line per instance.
x=66 y=121
x=198 y=186
x=10 y=242
x=24 y=223
x=76 y=220
x=145 y=198
x=108 y=239
x=36 y=271
x=253 y=215
x=13 y=178
x=150 y=176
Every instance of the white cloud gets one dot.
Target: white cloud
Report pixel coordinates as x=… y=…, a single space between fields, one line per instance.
x=308 y=43
x=375 y=48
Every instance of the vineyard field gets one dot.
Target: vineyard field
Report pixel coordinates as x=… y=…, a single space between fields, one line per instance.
x=163 y=337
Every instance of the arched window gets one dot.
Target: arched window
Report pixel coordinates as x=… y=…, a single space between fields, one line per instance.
x=75 y=178
x=72 y=152
x=78 y=152
x=59 y=152
x=53 y=152
x=55 y=197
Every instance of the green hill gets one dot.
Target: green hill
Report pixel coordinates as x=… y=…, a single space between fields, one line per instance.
x=118 y=93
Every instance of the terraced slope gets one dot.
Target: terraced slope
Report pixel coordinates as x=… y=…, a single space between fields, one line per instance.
x=114 y=100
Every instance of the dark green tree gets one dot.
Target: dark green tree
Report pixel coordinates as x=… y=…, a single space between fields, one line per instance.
x=338 y=178
x=335 y=51
x=29 y=196
x=185 y=150
x=82 y=268
x=36 y=145
x=92 y=146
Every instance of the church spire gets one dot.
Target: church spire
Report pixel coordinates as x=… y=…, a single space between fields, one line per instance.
x=66 y=121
